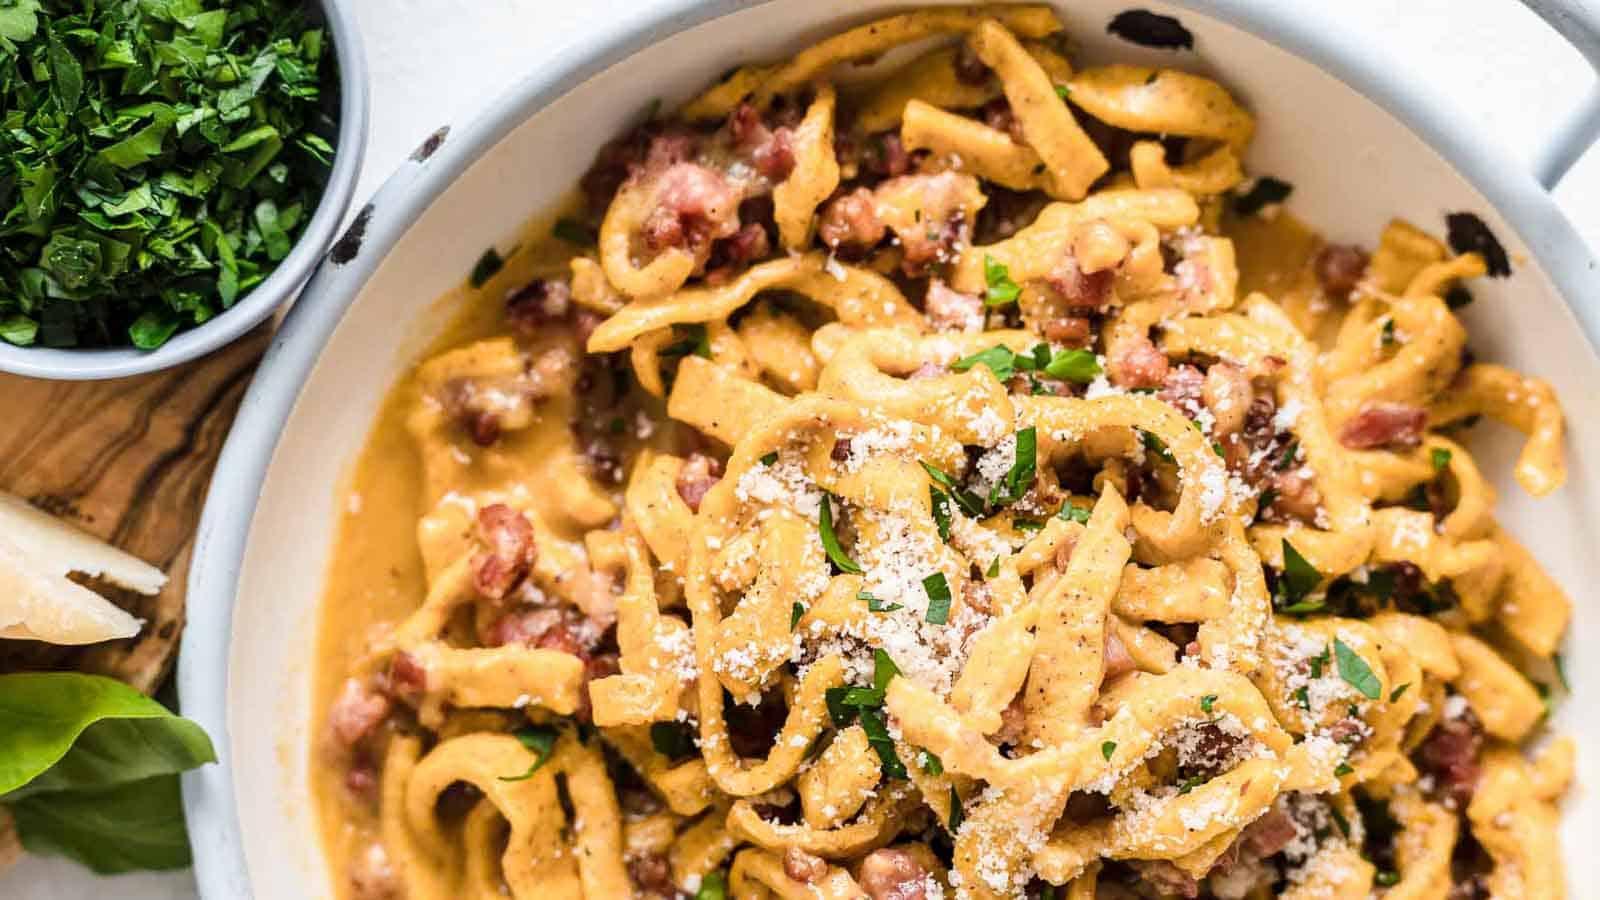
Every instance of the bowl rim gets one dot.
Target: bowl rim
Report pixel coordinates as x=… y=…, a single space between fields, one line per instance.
x=220 y=866
x=70 y=364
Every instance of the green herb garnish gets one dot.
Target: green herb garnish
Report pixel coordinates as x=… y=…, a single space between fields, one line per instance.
x=795 y=612
x=1071 y=512
x=939 y=505
x=712 y=887
x=1107 y=749
x=1000 y=288
x=994 y=568
x=1022 y=524
x=1287 y=458
x=1207 y=702
x=1000 y=360
x=938 y=598
x=931 y=764
x=574 y=232
x=696 y=341
x=1398 y=692
x=160 y=161
x=674 y=740
x=1019 y=478
x=1155 y=445
x=1342 y=769
x=1388 y=332
x=878 y=736
x=1355 y=671
x=770 y=459
x=967 y=500
x=874 y=604
x=1297 y=581
x=830 y=541
x=1440 y=457
x=1190 y=783
x=957 y=812
x=538 y=740
x=1080 y=366
x=1386 y=878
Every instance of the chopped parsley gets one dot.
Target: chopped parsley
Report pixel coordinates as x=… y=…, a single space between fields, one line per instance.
x=795 y=612
x=931 y=764
x=1019 y=479
x=1388 y=332
x=574 y=232
x=695 y=342
x=830 y=541
x=1190 y=783
x=1440 y=458
x=1302 y=697
x=939 y=505
x=957 y=813
x=161 y=159
x=1022 y=524
x=1298 y=580
x=1342 y=769
x=1287 y=459
x=1063 y=91
x=538 y=740
x=1398 y=692
x=1386 y=878
x=1207 y=702
x=938 y=590
x=874 y=604
x=994 y=568
x=674 y=740
x=1155 y=445
x=1080 y=366
x=1000 y=289
x=1355 y=671
x=967 y=500
x=770 y=459
x=1000 y=360
x=1108 y=748
x=1071 y=512
x=1320 y=662
x=712 y=887
x=878 y=736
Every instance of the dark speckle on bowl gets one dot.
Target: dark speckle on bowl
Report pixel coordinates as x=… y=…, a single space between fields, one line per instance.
x=1468 y=234
x=1148 y=29
x=346 y=248
x=430 y=144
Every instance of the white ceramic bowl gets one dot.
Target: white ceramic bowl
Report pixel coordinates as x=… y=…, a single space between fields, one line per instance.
x=1359 y=147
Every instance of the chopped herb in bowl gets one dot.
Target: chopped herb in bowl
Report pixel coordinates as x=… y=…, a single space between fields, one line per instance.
x=158 y=159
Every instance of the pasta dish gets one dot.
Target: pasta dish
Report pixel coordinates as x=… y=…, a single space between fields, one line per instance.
x=925 y=468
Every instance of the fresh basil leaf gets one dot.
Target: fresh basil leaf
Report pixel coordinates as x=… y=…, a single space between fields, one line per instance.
x=63 y=731
x=1355 y=671
x=883 y=669
x=938 y=590
x=135 y=825
x=967 y=500
x=830 y=541
x=874 y=604
x=1071 y=512
x=939 y=504
x=878 y=736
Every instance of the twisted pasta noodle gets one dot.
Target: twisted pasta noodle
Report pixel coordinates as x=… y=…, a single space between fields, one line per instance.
x=1526 y=404
x=815 y=175
x=932 y=79
x=1162 y=101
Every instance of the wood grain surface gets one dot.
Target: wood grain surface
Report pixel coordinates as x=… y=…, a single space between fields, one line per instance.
x=129 y=461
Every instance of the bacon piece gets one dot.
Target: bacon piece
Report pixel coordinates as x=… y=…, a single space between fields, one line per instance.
x=748 y=244
x=537 y=304
x=548 y=627
x=1268 y=835
x=950 y=310
x=941 y=222
x=696 y=205
x=851 y=221
x=1183 y=389
x=1138 y=364
x=650 y=147
x=1339 y=268
x=887 y=156
x=1080 y=289
x=1072 y=331
x=891 y=874
x=405 y=679
x=362 y=781
x=841 y=449
x=1384 y=423
x=1450 y=754
x=356 y=712
x=700 y=473
x=802 y=866
x=1297 y=497
x=651 y=875
x=373 y=876
x=508 y=536
x=770 y=150
x=997 y=114
x=1117 y=659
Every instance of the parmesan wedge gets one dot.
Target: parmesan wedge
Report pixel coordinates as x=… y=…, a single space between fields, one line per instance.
x=38 y=602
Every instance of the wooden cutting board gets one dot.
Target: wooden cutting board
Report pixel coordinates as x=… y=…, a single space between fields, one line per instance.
x=129 y=461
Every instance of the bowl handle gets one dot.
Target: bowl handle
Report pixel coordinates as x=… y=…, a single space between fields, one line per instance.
x=1579 y=22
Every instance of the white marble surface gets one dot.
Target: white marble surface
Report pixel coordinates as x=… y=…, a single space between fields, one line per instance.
x=438 y=61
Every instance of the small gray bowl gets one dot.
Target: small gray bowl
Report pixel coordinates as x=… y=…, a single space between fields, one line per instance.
x=284 y=282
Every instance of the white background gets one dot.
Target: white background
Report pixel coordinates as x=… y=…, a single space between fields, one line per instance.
x=438 y=61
